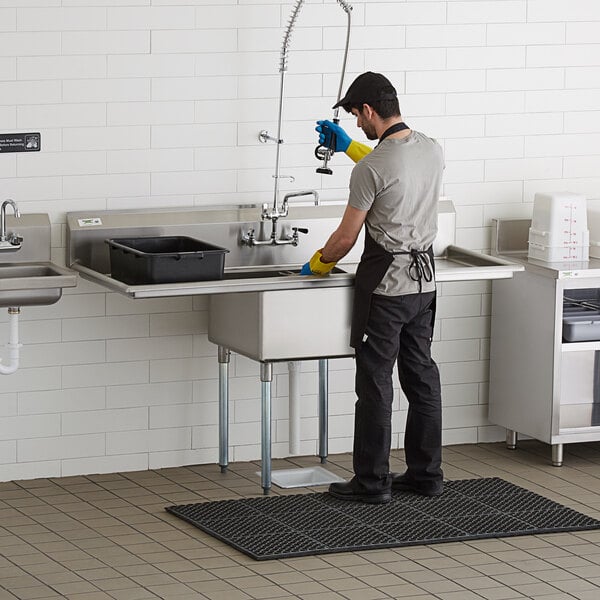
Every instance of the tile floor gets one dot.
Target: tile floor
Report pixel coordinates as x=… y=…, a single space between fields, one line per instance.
x=106 y=537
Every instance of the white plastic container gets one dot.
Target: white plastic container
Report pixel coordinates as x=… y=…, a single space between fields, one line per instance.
x=558 y=231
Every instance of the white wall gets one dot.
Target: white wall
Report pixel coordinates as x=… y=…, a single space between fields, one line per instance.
x=145 y=103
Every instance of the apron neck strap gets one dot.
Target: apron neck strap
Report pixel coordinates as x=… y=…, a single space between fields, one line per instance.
x=395 y=128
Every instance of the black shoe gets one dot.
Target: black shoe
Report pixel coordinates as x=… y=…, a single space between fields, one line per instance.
x=402 y=483
x=348 y=491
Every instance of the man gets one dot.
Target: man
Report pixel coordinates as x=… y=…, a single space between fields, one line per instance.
x=394 y=191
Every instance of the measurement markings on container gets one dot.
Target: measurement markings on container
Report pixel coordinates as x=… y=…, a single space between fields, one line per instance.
x=20 y=142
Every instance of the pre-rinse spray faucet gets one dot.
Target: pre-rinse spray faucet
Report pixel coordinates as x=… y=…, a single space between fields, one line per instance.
x=274 y=212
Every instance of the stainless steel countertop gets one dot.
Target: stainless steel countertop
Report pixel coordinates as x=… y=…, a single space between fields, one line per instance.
x=556 y=270
x=88 y=253
x=458 y=264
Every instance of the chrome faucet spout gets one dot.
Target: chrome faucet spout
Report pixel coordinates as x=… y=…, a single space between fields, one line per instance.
x=5 y=204
x=312 y=193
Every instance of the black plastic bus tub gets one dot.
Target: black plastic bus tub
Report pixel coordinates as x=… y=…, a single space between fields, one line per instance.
x=168 y=259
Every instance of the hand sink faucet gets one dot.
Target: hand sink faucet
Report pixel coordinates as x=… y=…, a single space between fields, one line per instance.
x=13 y=241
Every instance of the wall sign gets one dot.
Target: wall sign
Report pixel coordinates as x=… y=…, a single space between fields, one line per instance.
x=20 y=142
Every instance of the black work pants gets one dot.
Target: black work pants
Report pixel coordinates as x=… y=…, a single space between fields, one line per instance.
x=399 y=329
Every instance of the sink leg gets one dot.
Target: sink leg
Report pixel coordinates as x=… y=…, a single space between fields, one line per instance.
x=224 y=357
x=266 y=376
x=557 y=455
x=511 y=439
x=323 y=408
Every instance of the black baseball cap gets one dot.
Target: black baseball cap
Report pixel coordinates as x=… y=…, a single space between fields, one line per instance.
x=368 y=88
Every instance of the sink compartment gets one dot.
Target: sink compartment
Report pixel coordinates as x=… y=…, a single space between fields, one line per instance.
x=33 y=284
x=30 y=297
x=268 y=272
x=283 y=324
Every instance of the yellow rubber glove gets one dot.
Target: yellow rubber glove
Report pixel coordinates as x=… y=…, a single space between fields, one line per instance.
x=316 y=266
x=356 y=150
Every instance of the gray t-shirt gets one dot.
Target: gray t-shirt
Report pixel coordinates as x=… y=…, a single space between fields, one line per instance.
x=399 y=183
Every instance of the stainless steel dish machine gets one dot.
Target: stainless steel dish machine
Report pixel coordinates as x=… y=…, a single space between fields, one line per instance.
x=262 y=306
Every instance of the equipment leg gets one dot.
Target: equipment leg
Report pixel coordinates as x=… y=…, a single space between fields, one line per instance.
x=224 y=357
x=266 y=376
x=323 y=408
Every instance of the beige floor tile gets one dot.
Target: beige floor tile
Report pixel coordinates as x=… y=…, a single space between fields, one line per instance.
x=496 y=568
x=554 y=596
x=115 y=583
x=132 y=594
x=35 y=592
x=364 y=570
x=347 y=559
x=459 y=595
x=536 y=589
x=305 y=588
x=516 y=580
x=230 y=572
x=172 y=590
x=65 y=576
x=573 y=586
x=327 y=573
x=76 y=587
x=228 y=595
x=365 y=594
x=500 y=593
x=422 y=576
x=344 y=584
x=20 y=581
x=322 y=596
x=386 y=580
x=268 y=592
x=440 y=586
x=477 y=583
x=288 y=578
x=89 y=596
x=156 y=579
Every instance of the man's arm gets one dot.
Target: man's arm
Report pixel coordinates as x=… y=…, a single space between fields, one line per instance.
x=344 y=237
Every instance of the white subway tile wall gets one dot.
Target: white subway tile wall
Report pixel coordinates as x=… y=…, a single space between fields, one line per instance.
x=150 y=103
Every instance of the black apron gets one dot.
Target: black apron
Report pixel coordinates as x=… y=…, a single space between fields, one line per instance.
x=374 y=264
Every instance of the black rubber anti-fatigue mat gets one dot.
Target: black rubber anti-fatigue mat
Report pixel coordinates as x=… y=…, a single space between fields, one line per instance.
x=272 y=527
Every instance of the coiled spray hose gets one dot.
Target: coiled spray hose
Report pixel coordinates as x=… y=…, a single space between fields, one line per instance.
x=325 y=153
x=283 y=64
x=322 y=153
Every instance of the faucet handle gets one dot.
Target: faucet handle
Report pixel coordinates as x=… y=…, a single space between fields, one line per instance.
x=295 y=239
x=15 y=239
x=248 y=238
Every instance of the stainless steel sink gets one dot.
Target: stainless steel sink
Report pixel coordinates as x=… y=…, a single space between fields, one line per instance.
x=283 y=324
x=33 y=283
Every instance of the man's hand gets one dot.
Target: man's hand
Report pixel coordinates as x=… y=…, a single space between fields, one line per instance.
x=316 y=266
x=326 y=129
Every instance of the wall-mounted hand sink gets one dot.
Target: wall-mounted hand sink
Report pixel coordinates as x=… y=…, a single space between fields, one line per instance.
x=33 y=283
